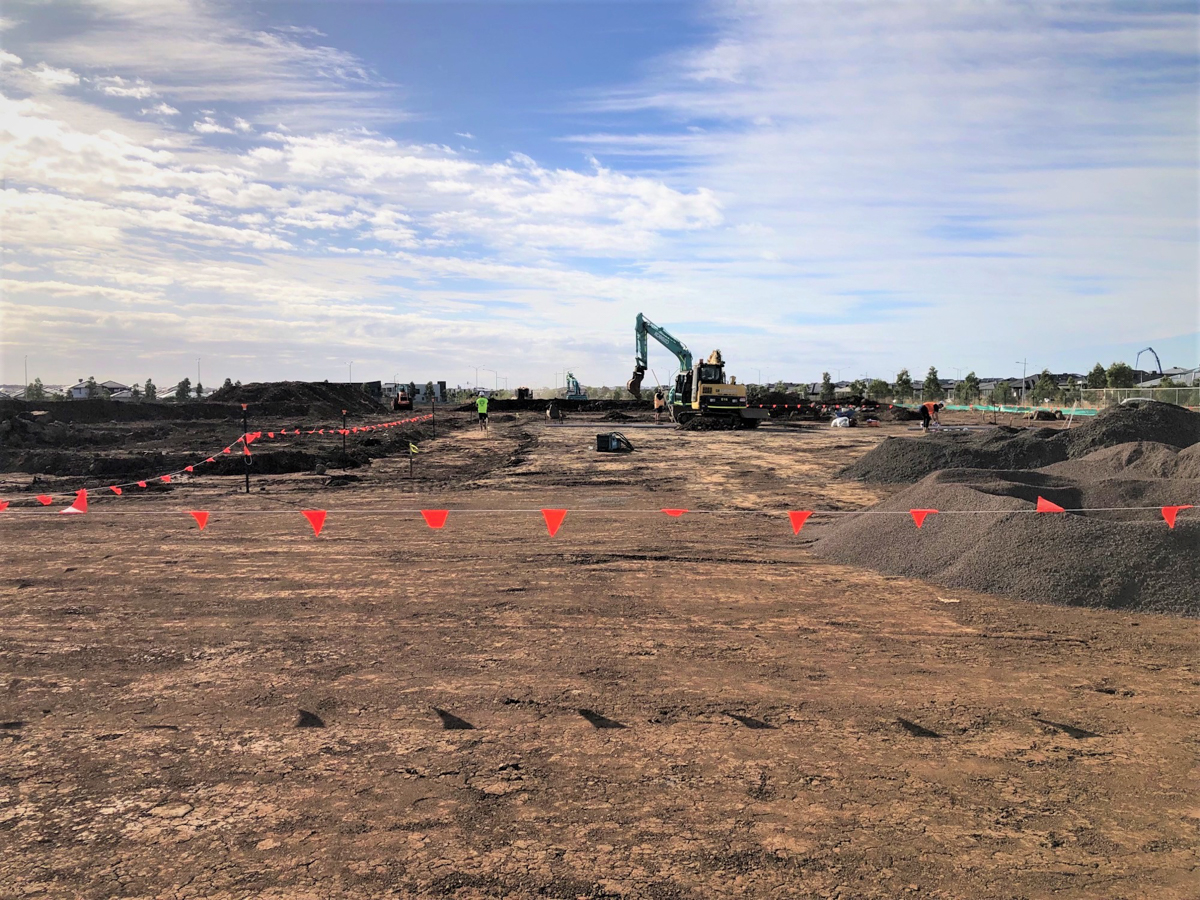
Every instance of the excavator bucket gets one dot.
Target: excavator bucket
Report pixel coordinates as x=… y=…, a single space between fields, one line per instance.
x=634 y=385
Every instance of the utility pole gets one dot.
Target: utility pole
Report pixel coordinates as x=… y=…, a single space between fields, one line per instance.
x=197 y=370
x=1024 y=366
x=343 y=433
x=26 y=374
x=476 y=382
x=351 y=376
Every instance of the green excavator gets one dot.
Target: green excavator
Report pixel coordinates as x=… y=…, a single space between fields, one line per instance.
x=700 y=388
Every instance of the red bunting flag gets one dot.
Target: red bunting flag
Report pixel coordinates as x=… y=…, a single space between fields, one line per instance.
x=226 y=450
x=3 y=505
x=1044 y=505
x=165 y=479
x=190 y=469
x=675 y=512
x=245 y=450
x=1170 y=512
x=116 y=490
x=435 y=518
x=316 y=518
x=200 y=517
x=141 y=484
x=45 y=499
x=270 y=434
x=554 y=519
x=920 y=514
x=799 y=517
x=210 y=459
x=79 y=506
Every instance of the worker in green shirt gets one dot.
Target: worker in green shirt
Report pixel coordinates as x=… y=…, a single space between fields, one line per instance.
x=481 y=405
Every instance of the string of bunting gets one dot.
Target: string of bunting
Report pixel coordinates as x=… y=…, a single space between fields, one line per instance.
x=79 y=504
x=436 y=518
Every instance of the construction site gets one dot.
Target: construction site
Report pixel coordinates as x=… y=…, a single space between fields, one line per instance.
x=501 y=663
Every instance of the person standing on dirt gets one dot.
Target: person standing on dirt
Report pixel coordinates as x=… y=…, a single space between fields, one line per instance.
x=659 y=403
x=481 y=404
x=929 y=413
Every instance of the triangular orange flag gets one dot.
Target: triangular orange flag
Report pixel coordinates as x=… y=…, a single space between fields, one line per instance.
x=200 y=517
x=3 y=505
x=226 y=450
x=270 y=434
x=165 y=479
x=189 y=469
x=1170 y=512
x=1044 y=505
x=210 y=459
x=116 y=490
x=799 y=517
x=316 y=518
x=675 y=512
x=435 y=518
x=141 y=484
x=79 y=506
x=554 y=519
x=45 y=499
x=245 y=450
x=920 y=514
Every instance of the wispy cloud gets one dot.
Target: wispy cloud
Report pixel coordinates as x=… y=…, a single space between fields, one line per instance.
x=829 y=184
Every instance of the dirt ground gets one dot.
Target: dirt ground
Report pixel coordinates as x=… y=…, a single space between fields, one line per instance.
x=640 y=706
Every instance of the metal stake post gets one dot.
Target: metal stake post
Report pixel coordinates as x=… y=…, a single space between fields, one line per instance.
x=433 y=415
x=245 y=446
x=343 y=432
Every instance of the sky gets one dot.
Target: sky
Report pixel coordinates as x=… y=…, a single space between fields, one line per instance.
x=492 y=191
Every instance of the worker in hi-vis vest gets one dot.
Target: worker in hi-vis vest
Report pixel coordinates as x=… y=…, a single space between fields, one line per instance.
x=481 y=405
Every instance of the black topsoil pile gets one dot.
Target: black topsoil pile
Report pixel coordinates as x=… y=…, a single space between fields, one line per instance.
x=315 y=397
x=1114 y=559
x=901 y=460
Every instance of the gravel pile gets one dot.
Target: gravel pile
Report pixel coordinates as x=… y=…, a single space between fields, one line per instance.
x=906 y=460
x=1126 y=560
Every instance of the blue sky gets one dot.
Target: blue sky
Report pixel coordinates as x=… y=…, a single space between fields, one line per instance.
x=282 y=188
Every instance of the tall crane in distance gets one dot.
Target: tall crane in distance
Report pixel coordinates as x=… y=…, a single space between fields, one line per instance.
x=1157 y=361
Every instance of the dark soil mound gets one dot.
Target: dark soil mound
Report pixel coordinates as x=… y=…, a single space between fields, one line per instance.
x=1187 y=463
x=316 y=396
x=615 y=416
x=895 y=414
x=903 y=460
x=1163 y=423
x=1140 y=459
x=709 y=423
x=1125 y=560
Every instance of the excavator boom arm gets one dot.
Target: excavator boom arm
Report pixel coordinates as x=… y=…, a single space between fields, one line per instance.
x=642 y=330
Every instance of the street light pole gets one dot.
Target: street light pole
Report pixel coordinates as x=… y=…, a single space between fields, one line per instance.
x=26 y=374
x=1024 y=367
x=197 y=370
x=351 y=376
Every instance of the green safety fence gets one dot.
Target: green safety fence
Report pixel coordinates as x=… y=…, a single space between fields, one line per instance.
x=1016 y=410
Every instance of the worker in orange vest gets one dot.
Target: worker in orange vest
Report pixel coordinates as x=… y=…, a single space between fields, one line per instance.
x=929 y=413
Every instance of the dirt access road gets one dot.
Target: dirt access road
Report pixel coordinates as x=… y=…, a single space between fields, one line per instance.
x=641 y=706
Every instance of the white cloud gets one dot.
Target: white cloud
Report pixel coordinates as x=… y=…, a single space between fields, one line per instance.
x=52 y=77
x=209 y=125
x=160 y=109
x=116 y=86
x=466 y=135
x=9 y=59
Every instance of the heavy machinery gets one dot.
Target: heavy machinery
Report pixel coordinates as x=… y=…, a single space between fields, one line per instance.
x=700 y=388
x=402 y=401
x=524 y=393
x=574 y=391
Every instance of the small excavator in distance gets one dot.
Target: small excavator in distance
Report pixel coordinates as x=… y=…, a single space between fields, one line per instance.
x=700 y=388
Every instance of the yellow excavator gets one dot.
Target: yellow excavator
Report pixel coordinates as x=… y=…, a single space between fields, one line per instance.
x=700 y=389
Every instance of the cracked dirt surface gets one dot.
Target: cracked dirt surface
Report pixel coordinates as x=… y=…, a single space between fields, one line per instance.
x=641 y=706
